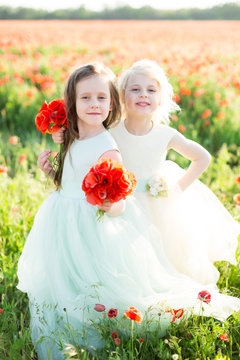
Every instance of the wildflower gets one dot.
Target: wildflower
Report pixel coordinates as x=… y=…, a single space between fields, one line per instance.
x=177 y=314
x=206 y=113
x=134 y=314
x=197 y=83
x=141 y=340
x=3 y=169
x=204 y=296
x=189 y=335
x=176 y=98
x=117 y=341
x=23 y=158
x=207 y=122
x=1 y=310
x=166 y=341
x=199 y=92
x=112 y=313
x=224 y=337
x=99 y=307
x=236 y=198
x=217 y=96
x=114 y=334
x=221 y=115
x=175 y=356
x=185 y=91
x=13 y=140
x=181 y=128
x=237 y=179
x=174 y=118
x=223 y=102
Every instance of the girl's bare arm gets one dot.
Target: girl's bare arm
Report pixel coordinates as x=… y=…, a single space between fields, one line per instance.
x=200 y=158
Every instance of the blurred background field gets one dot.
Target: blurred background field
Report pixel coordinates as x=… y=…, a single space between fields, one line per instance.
x=202 y=60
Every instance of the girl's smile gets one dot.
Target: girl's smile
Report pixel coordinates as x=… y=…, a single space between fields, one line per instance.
x=142 y=95
x=93 y=103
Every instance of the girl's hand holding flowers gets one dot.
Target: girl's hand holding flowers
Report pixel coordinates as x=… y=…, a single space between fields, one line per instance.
x=43 y=162
x=106 y=183
x=51 y=118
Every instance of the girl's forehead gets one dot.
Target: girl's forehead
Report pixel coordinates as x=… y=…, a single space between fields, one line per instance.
x=142 y=79
x=95 y=81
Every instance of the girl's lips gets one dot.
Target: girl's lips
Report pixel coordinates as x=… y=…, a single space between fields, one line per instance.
x=142 y=103
x=94 y=113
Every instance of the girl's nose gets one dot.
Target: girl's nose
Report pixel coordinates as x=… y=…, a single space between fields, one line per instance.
x=143 y=94
x=95 y=106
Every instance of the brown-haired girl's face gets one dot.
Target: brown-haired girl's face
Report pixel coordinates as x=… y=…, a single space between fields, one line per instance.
x=93 y=101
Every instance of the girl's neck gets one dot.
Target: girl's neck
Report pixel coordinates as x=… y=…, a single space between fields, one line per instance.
x=88 y=132
x=138 y=126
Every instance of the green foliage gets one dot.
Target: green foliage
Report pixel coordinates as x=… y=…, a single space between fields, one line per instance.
x=23 y=188
x=222 y=12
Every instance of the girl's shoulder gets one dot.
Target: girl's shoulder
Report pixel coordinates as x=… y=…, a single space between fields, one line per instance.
x=162 y=130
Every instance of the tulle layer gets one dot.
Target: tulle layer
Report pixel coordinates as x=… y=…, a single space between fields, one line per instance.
x=196 y=229
x=71 y=261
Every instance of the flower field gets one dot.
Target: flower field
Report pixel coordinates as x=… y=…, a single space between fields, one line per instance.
x=202 y=60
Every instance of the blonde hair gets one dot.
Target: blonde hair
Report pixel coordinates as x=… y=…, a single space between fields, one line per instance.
x=152 y=69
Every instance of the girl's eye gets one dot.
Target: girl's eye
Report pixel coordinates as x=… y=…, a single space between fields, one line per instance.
x=152 y=90
x=135 y=89
x=84 y=97
x=101 y=97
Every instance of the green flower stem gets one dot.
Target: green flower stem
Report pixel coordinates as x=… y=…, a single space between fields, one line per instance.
x=132 y=325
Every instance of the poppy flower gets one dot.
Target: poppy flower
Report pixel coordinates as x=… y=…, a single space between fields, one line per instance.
x=13 y=140
x=117 y=341
x=236 y=198
x=3 y=169
x=224 y=337
x=237 y=179
x=141 y=340
x=112 y=313
x=1 y=310
x=107 y=180
x=204 y=296
x=176 y=98
x=114 y=334
x=99 y=307
x=52 y=114
x=23 y=158
x=134 y=314
x=206 y=113
x=177 y=314
x=181 y=128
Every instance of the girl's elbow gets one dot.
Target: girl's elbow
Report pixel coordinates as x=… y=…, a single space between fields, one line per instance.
x=208 y=158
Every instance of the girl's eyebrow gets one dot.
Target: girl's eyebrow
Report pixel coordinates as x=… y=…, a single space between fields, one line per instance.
x=150 y=85
x=89 y=92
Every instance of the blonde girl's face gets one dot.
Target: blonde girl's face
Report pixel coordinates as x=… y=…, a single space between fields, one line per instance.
x=93 y=101
x=142 y=95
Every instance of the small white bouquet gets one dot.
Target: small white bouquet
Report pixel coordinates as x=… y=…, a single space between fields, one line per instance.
x=157 y=186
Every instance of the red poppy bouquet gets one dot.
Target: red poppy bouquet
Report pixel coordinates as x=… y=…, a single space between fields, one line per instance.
x=51 y=117
x=107 y=180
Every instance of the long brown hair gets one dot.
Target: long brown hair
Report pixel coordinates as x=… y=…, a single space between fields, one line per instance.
x=72 y=132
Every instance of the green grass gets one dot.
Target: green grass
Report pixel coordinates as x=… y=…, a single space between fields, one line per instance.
x=22 y=190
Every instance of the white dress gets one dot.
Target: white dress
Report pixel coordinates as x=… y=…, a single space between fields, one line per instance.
x=195 y=227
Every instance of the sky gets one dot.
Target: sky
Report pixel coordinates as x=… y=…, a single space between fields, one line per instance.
x=100 y=4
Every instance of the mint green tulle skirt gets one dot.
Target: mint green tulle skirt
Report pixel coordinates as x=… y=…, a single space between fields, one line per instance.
x=71 y=261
